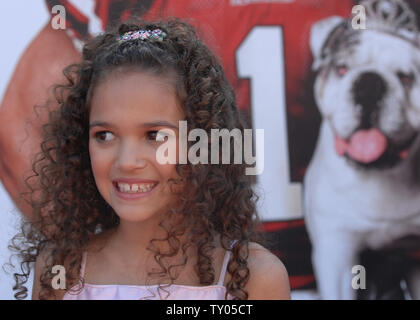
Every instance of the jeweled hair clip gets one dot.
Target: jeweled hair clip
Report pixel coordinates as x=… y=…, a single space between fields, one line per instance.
x=156 y=35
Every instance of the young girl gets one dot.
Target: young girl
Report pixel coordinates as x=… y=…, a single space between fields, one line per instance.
x=122 y=224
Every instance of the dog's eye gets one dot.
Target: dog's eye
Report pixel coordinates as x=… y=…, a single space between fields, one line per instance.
x=406 y=79
x=341 y=70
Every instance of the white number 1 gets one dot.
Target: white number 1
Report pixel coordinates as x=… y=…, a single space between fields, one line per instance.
x=260 y=57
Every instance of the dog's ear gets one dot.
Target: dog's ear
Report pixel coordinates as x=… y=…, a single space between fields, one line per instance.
x=320 y=32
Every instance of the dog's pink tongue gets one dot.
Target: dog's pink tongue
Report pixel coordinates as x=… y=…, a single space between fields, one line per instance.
x=365 y=145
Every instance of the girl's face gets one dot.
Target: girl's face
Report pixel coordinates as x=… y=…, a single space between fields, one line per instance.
x=127 y=110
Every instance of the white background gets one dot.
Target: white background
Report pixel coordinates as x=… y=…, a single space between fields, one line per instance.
x=20 y=22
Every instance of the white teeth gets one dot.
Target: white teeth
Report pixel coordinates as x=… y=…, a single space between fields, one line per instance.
x=135 y=188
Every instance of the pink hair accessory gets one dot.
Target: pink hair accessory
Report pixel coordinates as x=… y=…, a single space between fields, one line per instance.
x=156 y=34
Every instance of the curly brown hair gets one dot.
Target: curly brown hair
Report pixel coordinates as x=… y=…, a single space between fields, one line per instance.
x=68 y=209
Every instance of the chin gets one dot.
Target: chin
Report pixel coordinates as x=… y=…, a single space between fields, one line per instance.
x=136 y=214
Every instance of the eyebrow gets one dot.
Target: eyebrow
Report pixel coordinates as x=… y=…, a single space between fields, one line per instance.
x=144 y=125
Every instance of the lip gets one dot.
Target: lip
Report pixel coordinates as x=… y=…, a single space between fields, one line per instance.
x=133 y=196
x=133 y=180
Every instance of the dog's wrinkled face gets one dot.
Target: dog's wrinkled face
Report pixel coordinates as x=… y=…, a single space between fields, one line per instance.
x=368 y=88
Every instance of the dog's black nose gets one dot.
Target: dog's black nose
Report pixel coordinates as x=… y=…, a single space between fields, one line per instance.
x=368 y=90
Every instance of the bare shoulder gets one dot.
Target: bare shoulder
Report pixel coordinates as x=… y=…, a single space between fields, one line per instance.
x=268 y=276
x=96 y=243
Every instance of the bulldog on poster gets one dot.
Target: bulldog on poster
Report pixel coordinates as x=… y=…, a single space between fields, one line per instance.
x=362 y=188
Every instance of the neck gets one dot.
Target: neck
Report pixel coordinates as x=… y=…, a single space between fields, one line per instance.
x=131 y=240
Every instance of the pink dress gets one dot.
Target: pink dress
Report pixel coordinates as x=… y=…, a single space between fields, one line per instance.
x=150 y=292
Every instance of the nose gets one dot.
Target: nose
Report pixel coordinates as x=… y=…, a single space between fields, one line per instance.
x=131 y=157
x=369 y=88
x=368 y=91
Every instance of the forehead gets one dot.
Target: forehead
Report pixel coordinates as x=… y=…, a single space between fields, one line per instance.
x=387 y=51
x=126 y=98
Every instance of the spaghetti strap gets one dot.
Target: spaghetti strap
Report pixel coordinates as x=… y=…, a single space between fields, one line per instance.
x=225 y=263
x=83 y=264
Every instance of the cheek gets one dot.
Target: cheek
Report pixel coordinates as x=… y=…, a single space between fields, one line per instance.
x=415 y=96
x=167 y=172
x=319 y=87
x=99 y=162
x=414 y=109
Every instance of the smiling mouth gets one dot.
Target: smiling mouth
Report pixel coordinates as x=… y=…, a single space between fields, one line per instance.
x=133 y=191
x=135 y=187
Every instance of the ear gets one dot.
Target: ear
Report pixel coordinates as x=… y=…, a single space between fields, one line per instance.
x=319 y=34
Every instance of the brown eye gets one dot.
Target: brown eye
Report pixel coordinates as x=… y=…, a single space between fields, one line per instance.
x=152 y=135
x=101 y=136
x=159 y=135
